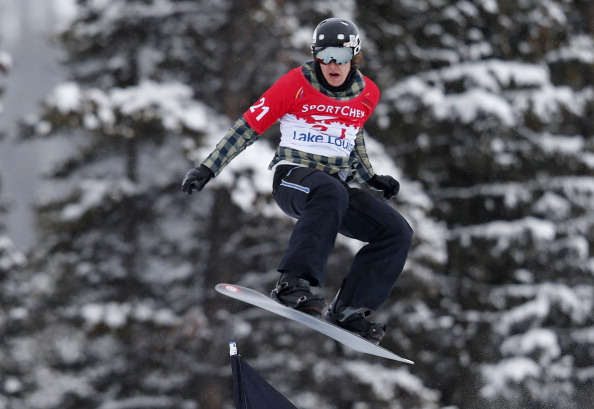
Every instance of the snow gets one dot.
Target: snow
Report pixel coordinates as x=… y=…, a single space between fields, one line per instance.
x=384 y=164
x=9 y=257
x=484 y=82
x=172 y=103
x=347 y=9
x=584 y=335
x=553 y=206
x=116 y=315
x=421 y=317
x=579 y=245
x=385 y=381
x=5 y=62
x=505 y=233
x=534 y=340
x=69 y=346
x=585 y=375
x=469 y=105
x=155 y=402
x=492 y=75
x=66 y=97
x=432 y=236
x=580 y=48
x=53 y=385
x=577 y=186
x=576 y=303
x=489 y=6
x=510 y=370
x=547 y=101
x=65 y=11
x=12 y=385
x=93 y=193
x=559 y=144
x=175 y=272
x=414 y=204
x=587 y=159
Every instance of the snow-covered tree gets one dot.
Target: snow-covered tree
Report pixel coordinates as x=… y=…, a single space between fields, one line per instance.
x=485 y=121
x=490 y=113
x=128 y=262
x=126 y=256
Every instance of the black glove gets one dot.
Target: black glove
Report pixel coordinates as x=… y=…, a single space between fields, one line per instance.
x=196 y=179
x=386 y=184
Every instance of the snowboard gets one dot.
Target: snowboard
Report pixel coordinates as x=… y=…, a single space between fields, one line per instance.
x=343 y=336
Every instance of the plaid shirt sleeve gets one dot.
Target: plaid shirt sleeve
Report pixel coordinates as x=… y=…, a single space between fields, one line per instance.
x=238 y=137
x=363 y=171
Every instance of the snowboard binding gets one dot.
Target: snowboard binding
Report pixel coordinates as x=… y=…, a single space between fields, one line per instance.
x=355 y=320
x=295 y=292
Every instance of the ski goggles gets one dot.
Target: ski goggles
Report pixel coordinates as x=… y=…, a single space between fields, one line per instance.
x=340 y=55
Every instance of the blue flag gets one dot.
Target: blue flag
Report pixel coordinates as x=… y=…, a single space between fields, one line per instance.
x=250 y=390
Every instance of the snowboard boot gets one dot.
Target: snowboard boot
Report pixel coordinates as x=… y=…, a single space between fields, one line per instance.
x=355 y=320
x=294 y=292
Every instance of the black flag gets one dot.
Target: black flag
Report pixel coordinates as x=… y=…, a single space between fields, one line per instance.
x=250 y=390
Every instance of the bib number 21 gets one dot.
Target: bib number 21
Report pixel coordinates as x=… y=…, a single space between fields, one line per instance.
x=260 y=105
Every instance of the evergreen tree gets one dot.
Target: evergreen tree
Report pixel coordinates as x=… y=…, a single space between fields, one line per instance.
x=490 y=115
x=130 y=263
x=126 y=255
x=485 y=110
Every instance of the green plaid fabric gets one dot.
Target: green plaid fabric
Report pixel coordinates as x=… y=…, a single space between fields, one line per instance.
x=356 y=166
x=241 y=135
x=237 y=138
x=362 y=169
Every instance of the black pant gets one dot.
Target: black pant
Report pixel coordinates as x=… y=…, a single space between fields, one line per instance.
x=325 y=206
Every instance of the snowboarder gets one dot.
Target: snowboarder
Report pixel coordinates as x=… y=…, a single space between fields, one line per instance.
x=322 y=107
